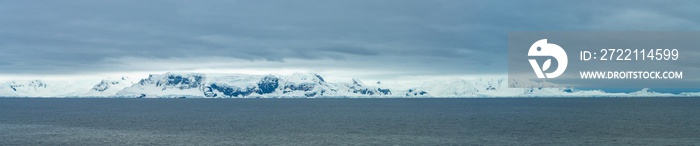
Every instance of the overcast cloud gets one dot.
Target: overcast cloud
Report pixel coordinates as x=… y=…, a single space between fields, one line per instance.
x=394 y=37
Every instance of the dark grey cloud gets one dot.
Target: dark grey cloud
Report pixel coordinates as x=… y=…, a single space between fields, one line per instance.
x=427 y=37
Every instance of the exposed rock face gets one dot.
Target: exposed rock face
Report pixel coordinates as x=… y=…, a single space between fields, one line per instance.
x=200 y=85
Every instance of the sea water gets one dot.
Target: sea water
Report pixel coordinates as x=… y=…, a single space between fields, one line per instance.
x=500 y=121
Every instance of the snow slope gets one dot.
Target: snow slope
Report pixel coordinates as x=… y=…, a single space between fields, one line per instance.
x=109 y=87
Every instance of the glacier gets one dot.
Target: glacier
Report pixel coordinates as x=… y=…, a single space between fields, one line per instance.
x=297 y=85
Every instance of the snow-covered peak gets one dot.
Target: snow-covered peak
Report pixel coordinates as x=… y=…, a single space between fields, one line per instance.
x=244 y=86
x=306 y=85
x=27 y=85
x=104 y=85
x=303 y=77
x=174 y=80
x=107 y=87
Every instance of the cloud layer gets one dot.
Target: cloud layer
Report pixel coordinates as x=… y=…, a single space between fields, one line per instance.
x=399 y=36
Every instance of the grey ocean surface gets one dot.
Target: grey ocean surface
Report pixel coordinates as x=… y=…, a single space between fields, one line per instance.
x=509 y=121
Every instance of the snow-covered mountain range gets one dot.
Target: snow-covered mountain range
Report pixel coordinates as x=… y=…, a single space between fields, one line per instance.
x=298 y=85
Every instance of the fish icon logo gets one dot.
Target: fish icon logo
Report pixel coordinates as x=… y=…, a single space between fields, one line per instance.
x=542 y=48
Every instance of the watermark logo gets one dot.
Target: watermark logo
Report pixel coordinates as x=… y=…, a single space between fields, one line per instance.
x=543 y=49
x=606 y=59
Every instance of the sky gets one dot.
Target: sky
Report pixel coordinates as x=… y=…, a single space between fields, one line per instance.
x=374 y=39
